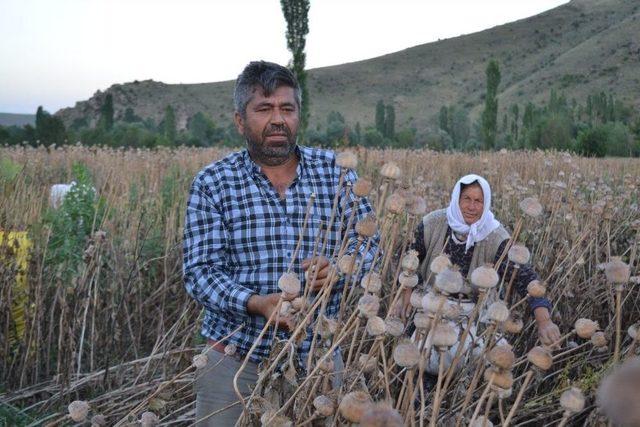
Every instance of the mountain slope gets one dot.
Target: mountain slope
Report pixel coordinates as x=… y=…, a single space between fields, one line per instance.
x=578 y=48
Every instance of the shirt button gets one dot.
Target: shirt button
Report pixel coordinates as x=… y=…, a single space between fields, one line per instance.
x=288 y=253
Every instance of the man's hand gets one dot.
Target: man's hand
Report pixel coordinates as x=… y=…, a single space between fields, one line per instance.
x=265 y=306
x=322 y=266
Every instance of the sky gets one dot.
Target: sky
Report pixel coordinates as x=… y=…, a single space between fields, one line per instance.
x=54 y=53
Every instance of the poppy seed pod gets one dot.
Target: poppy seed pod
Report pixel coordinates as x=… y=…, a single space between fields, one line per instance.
x=498 y=312
x=149 y=419
x=375 y=326
x=390 y=171
x=362 y=187
x=368 y=305
x=512 y=326
x=408 y=281
x=484 y=277
x=324 y=406
x=445 y=335
x=285 y=308
x=406 y=354
x=230 y=349
x=416 y=299
x=98 y=421
x=353 y=405
x=501 y=356
x=585 y=328
x=572 y=400
x=327 y=365
x=599 y=339
x=417 y=206
x=289 y=284
x=440 y=263
x=617 y=272
x=394 y=326
x=347 y=160
x=327 y=326
x=421 y=321
x=519 y=254
x=382 y=415
x=367 y=226
x=371 y=282
x=200 y=360
x=298 y=304
x=481 y=421
x=617 y=395
x=78 y=410
x=367 y=363
x=449 y=281
x=346 y=264
x=432 y=301
x=410 y=262
x=536 y=289
x=270 y=419
x=503 y=380
x=540 y=357
x=531 y=206
x=395 y=204
x=633 y=331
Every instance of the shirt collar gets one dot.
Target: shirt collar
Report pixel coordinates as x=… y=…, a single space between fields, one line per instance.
x=254 y=169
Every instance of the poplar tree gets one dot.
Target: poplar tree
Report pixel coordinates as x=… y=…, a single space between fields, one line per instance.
x=490 y=113
x=380 y=117
x=296 y=15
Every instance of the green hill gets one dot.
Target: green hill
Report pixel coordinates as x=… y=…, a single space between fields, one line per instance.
x=578 y=48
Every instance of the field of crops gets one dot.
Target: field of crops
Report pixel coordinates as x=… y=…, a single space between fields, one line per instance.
x=93 y=309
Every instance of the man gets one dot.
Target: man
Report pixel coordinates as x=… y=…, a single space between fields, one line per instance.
x=244 y=217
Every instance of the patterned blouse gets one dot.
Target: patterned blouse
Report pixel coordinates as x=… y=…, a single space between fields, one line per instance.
x=456 y=252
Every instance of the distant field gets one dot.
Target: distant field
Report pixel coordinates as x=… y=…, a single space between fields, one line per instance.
x=10 y=119
x=116 y=300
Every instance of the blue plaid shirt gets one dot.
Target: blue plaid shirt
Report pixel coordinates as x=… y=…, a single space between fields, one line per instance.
x=239 y=238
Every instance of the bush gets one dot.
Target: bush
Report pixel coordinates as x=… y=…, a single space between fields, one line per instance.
x=593 y=142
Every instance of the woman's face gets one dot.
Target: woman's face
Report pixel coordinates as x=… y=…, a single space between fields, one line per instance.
x=471 y=203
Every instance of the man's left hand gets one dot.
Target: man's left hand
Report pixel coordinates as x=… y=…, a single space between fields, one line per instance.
x=549 y=333
x=322 y=266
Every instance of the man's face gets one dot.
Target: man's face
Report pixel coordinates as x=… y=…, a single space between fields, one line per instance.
x=270 y=125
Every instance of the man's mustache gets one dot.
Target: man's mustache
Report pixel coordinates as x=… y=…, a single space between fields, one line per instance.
x=277 y=130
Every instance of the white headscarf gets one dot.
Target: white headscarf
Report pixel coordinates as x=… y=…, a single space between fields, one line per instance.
x=480 y=229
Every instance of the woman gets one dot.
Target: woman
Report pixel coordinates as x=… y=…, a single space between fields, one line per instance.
x=470 y=235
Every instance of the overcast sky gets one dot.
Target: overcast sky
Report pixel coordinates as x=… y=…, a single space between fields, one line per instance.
x=56 y=52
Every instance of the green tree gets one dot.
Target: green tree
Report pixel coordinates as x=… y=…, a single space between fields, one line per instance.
x=515 y=112
x=336 y=127
x=380 y=117
x=130 y=116
x=357 y=134
x=169 y=124
x=390 y=122
x=490 y=113
x=49 y=129
x=443 y=119
x=593 y=142
x=296 y=15
x=373 y=138
x=106 y=113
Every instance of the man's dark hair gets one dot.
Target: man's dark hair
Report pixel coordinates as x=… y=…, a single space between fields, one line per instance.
x=269 y=77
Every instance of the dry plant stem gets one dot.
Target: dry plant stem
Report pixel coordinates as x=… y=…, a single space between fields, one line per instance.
x=565 y=419
x=616 y=352
x=463 y=339
x=311 y=374
x=388 y=183
x=483 y=396
x=436 y=400
x=249 y=353
x=385 y=371
x=507 y=294
x=523 y=387
x=492 y=397
x=468 y=395
x=312 y=199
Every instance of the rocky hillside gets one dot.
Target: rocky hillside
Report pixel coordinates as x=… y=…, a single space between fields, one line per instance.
x=578 y=48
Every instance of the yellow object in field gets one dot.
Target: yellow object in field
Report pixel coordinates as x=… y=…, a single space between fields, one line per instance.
x=16 y=245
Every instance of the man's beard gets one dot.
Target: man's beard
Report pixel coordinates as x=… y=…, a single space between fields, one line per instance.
x=272 y=155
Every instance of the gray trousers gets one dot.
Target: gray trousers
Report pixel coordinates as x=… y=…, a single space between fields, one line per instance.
x=214 y=390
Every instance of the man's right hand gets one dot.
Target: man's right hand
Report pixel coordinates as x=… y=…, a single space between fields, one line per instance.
x=265 y=305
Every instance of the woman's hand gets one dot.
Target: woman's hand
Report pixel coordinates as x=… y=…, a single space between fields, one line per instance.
x=549 y=333
x=403 y=306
